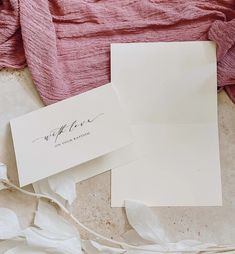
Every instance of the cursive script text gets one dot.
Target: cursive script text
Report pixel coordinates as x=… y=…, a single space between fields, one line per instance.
x=56 y=133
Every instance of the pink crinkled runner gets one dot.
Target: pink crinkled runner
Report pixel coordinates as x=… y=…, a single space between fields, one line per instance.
x=66 y=43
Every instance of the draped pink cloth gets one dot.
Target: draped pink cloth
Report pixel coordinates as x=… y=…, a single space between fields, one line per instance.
x=66 y=43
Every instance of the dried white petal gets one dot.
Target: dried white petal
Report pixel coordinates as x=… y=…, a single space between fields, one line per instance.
x=61 y=187
x=3 y=175
x=192 y=245
x=64 y=185
x=144 y=221
x=9 y=224
x=188 y=243
x=147 y=249
x=42 y=187
x=25 y=250
x=47 y=218
x=153 y=247
x=52 y=242
x=144 y=252
x=131 y=237
x=9 y=244
x=92 y=247
x=185 y=245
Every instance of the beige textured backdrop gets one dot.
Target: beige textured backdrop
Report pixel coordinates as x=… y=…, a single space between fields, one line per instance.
x=214 y=224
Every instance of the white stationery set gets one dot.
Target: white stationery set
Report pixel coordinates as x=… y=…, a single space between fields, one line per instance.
x=155 y=126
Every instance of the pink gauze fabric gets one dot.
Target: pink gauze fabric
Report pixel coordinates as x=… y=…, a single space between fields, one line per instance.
x=66 y=43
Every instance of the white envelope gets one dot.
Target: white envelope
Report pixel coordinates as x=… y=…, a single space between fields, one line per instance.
x=72 y=132
x=169 y=91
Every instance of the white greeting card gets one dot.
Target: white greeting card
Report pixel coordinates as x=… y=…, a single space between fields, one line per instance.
x=169 y=91
x=68 y=133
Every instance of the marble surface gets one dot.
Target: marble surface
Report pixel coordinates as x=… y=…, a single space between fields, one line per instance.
x=92 y=206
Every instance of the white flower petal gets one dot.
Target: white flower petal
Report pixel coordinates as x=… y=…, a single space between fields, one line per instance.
x=3 y=175
x=153 y=247
x=189 y=243
x=42 y=187
x=63 y=185
x=8 y=244
x=143 y=220
x=186 y=244
x=92 y=247
x=192 y=245
x=47 y=218
x=145 y=252
x=52 y=242
x=25 y=250
x=3 y=171
x=133 y=238
x=9 y=224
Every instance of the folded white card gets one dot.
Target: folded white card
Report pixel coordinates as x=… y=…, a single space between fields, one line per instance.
x=169 y=91
x=68 y=133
